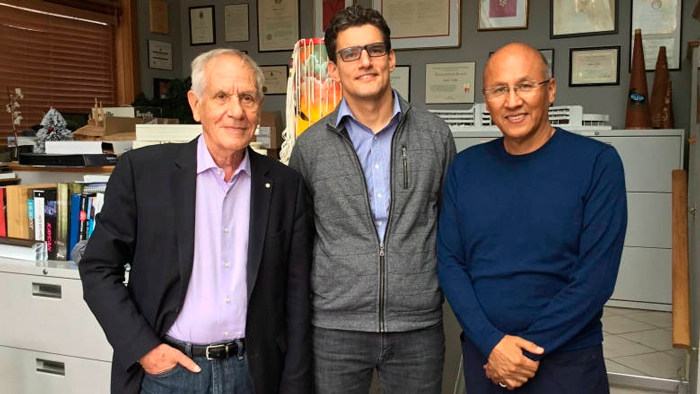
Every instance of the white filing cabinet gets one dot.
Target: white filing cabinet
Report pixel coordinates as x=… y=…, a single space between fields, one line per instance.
x=648 y=156
x=49 y=340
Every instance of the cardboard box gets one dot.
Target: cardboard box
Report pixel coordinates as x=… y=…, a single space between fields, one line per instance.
x=270 y=131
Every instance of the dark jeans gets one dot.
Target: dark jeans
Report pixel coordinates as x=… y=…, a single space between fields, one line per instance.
x=579 y=371
x=406 y=362
x=223 y=376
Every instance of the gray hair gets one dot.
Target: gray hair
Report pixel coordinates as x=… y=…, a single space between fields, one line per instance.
x=199 y=65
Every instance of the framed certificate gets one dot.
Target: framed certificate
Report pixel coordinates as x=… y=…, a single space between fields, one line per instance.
x=660 y=21
x=449 y=83
x=202 y=25
x=278 y=25
x=573 y=18
x=503 y=14
x=160 y=55
x=401 y=81
x=275 y=79
x=418 y=24
x=158 y=16
x=594 y=66
x=324 y=11
x=236 y=23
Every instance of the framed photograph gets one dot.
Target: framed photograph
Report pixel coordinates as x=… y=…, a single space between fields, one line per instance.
x=660 y=21
x=503 y=14
x=598 y=66
x=160 y=55
x=275 y=79
x=278 y=25
x=449 y=83
x=236 y=23
x=401 y=81
x=160 y=88
x=413 y=25
x=202 y=25
x=324 y=11
x=573 y=18
x=158 y=16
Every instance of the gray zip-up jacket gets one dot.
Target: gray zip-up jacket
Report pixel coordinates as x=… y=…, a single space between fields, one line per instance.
x=357 y=282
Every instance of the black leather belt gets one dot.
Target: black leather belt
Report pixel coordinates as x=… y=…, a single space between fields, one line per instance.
x=212 y=352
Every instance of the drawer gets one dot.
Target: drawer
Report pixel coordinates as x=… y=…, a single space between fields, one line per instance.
x=649 y=220
x=645 y=276
x=648 y=161
x=25 y=371
x=48 y=314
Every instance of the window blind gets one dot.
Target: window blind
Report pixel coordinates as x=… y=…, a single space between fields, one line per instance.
x=58 y=60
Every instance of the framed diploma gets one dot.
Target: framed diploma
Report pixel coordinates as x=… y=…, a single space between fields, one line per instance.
x=449 y=83
x=158 y=16
x=202 y=25
x=573 y=18
x=278 y=25
x=594 y=66
x=503 y=14
x=324 y=11
x=401 y=81
x=275 y=79
x=160 y=55
x=236 y=22
x=421 y=24
x=660 y=21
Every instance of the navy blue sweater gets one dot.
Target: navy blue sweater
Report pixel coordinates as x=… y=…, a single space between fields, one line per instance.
x=530 y=245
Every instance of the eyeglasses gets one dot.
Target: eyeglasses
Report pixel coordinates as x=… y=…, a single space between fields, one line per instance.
x=522 y=89
x=350 y=54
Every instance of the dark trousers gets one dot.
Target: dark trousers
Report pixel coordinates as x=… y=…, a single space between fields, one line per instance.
x=579 y=371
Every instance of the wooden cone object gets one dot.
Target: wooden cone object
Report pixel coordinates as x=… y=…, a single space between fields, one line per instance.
x=661 y=101
x=638 y=115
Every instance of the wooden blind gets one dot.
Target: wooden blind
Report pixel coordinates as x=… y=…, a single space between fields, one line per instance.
x=57 y=60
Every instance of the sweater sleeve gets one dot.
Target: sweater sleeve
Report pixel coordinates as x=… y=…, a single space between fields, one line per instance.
x=452 y=271
x=592 y=279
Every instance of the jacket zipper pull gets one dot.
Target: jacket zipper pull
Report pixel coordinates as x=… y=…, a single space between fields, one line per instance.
x=381 y=250
x=405 y=167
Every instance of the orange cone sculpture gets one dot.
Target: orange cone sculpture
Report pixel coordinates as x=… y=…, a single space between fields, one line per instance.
x=638 y=116
x=661 y=106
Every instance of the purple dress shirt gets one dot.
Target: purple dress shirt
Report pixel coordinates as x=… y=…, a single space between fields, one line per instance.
x=374 y=152
x=217 y=299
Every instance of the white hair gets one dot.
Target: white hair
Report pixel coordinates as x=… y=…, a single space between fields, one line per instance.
x=199 y=65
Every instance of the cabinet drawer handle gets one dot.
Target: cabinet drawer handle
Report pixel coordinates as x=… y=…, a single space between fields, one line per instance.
x=46 y=290
x=51 y=367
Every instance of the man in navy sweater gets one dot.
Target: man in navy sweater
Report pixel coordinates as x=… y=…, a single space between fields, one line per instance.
x=529 y=241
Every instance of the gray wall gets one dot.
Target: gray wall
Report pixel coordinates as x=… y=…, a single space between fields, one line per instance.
x=173 y=37
x=475 y=46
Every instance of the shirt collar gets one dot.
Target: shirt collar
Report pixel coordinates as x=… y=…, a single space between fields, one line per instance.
x=206 y=162
x=344 y=110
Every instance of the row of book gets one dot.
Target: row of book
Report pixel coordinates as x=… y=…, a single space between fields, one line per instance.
x=60 y=214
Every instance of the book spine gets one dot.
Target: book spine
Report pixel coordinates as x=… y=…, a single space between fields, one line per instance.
x=30 y=213
x=3 y=214
x=62 y=221
x=82 y=229
x=74 y=232
x=39 y=215
x=50 y=222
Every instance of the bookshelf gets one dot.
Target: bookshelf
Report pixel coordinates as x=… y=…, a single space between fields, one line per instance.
x=45 y=174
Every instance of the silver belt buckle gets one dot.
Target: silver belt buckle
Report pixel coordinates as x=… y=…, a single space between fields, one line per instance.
x=225 y=346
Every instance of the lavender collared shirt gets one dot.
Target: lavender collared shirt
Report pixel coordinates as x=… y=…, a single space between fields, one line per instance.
x=217 y=299
x=374 y=152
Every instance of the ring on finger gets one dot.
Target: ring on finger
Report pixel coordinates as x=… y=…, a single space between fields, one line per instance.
x=503 y=385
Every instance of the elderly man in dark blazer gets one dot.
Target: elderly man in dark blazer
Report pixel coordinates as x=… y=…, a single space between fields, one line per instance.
x=219 y=241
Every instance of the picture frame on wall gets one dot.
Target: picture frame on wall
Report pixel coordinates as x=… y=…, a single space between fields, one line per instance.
x=158 y=17
x=503 y=14
x=573 y=18
x=594 y=66
x=278 y=25
x=160 y=88
x=401 y=81
x=202 y=25
x=415 y=26
x=236 y=23
x=449 y=83
x=160 y=55
x=275 y=79
x=324 y=10
x=660 y=22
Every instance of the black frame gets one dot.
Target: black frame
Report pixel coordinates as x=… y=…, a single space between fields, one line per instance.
x=593 y=33
x=589 y=49
x=213 y=24
x=286 y=69
x=156 y=87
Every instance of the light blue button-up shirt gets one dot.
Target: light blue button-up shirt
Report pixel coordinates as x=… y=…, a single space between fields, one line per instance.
x=374 y=152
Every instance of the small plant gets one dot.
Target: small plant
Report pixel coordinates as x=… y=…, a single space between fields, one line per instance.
x=12 y=108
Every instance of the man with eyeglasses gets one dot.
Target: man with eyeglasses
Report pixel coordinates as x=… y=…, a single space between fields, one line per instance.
x=219 y=240
x=531 y=233
x=375 y=168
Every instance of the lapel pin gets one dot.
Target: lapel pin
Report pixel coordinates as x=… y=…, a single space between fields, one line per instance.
x=267 y=185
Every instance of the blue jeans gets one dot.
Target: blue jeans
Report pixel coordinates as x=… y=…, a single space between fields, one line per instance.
x=406 y=362
x=222 y=376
